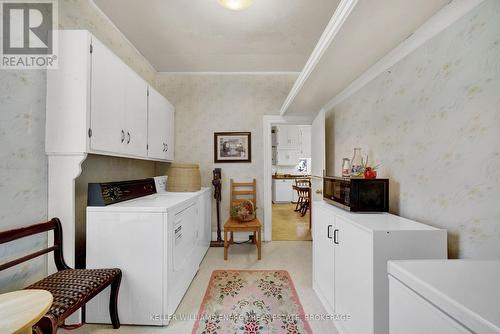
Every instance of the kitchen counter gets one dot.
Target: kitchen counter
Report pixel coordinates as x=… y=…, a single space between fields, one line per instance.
x=290 y=176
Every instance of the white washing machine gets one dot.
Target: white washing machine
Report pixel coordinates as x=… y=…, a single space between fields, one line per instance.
x=158 y=240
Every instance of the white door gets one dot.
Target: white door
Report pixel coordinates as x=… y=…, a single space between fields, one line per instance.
x=157 y=125
x=169 y=142
x=353 y=276
x=107 y=100
x=136 y=114
x=318 y=155
x=323 y=255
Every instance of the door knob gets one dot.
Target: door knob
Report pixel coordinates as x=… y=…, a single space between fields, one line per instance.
x=319 y=191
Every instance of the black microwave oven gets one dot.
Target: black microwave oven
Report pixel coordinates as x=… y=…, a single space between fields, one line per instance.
x=357 y=195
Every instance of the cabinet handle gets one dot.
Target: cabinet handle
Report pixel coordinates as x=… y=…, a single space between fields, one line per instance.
x=336 y=236
x=163 y=147
x=128 y=137
x=166 y=149
x=123 y=136
x=329 y=232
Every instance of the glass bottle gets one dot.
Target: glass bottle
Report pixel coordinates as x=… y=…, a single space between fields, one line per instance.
x=346 y=167
x=357 y=163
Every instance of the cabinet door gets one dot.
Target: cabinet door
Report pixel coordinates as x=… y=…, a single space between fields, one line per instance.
x=107 y=100
x=160 y=127
x=157 y=125
x=283 y=191
x=353 y=276
x=281 y=136
x=136 y=114
x=323 y=255
x=293 y=134
x=286 y=157
x=169 y=141
x=305 y=141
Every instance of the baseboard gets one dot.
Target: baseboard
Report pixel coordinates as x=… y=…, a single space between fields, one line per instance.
x=238 y=236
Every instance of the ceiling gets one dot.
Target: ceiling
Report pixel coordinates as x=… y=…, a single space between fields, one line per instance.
x=202 y=36
x=371 y=30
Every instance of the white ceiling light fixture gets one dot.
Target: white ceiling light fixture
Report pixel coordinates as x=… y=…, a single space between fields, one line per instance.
x=235 y=4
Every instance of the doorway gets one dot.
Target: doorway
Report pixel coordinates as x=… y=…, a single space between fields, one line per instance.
x=285 y=166
x=291 y=181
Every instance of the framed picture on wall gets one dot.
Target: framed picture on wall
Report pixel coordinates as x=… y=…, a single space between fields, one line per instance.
x=232 y=147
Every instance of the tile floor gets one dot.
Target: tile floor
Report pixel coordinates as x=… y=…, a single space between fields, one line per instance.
x=288 y=224
x=294 y=256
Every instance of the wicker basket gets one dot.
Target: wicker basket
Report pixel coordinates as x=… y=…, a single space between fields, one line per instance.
x=183 y=177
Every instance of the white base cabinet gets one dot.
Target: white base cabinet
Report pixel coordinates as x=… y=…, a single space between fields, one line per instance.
x=283 y=191
x=350 y=255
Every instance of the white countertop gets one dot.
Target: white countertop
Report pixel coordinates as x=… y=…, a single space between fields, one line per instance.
x=377 y=221
x=160 y=202
x=467 y=290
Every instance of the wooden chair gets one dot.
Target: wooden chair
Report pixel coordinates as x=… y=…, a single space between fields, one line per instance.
x=241 y=191
x=301 y=199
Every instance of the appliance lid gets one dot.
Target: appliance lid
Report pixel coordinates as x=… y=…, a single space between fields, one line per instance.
x=467 y=290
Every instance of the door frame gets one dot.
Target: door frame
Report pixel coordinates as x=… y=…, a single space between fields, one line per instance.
x=268 y=122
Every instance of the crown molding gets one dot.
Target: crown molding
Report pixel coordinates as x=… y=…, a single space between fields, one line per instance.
x=139 y=53
x=228 y=73
x=339 y=17
x=448 y=15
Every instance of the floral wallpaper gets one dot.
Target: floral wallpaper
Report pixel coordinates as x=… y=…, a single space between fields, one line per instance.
x=23 y=164
x=208 y=103
x=433 y=122
x=83 y=14
x=23 y=170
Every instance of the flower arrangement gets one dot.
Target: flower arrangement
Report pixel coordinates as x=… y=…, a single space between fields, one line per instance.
x=243 y=211
x=369 y=172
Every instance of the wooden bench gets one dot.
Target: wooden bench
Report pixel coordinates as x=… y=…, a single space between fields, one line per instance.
x=71 y=288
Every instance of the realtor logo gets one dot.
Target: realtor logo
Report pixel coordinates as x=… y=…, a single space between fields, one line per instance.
x=28 y=35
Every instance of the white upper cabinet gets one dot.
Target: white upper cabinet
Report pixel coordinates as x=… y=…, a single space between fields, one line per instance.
x=160 y=127
x=291 y=142
x=98 y=104
x=107 y=105
x=119 y=104
x=288 y=136
x=136 y=114
x=305 y=141
x=287 y=157
x=170 y=133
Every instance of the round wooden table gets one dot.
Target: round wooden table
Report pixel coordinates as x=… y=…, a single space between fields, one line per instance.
x=20 y=310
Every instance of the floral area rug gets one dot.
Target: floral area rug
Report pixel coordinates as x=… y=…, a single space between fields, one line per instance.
x=251 y=302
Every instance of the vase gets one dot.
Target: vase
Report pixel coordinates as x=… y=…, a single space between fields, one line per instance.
x=357 y=168
x=346 y=167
